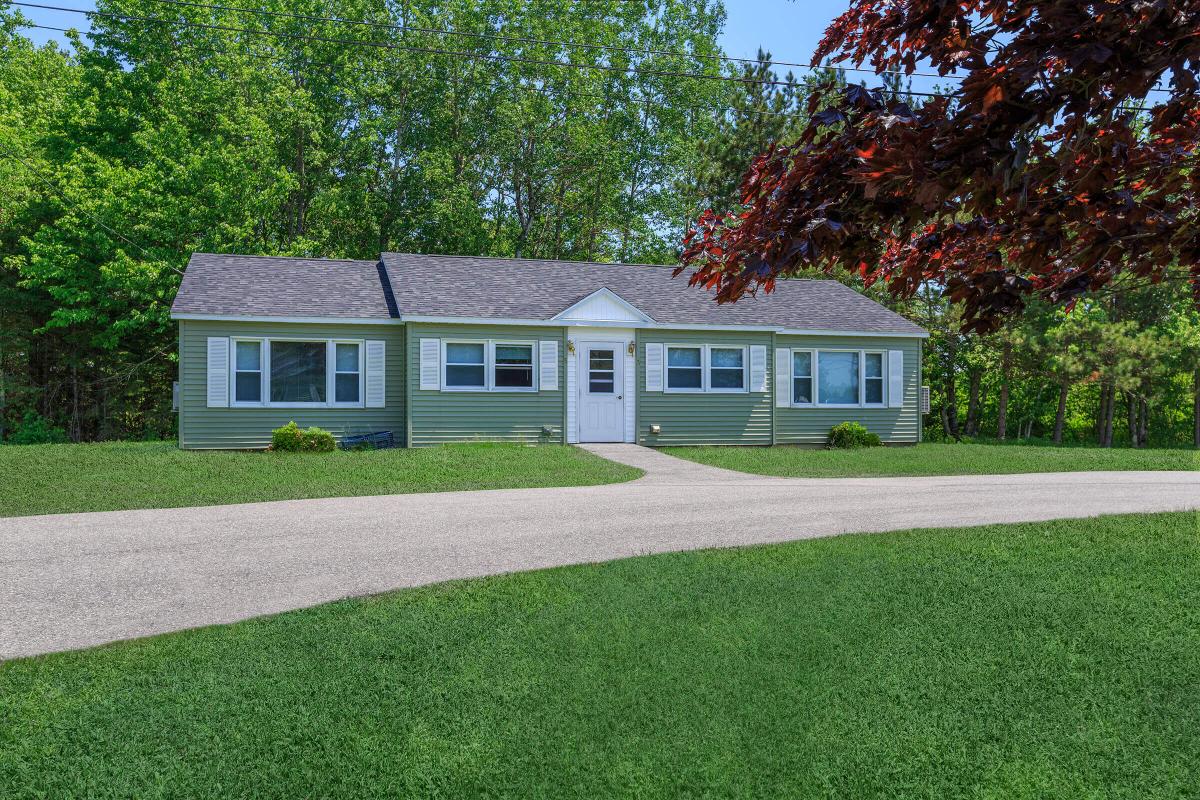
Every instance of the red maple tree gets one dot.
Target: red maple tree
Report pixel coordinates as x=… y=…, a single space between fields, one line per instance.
x=1037 y=174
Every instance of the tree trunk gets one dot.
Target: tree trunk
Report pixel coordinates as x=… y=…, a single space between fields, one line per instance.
x=1143 y=438
x=1110 y=407
x=973 y=403
x=1060 y=416
x=1002 y=405
x=1135 y=405
x=1196 y=408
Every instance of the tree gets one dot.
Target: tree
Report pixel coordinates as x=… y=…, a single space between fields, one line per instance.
x=1033 y=178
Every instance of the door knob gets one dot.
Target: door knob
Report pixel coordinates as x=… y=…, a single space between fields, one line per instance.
x=620 y=397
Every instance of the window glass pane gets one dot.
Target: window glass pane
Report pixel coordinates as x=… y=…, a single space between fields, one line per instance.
x=347 y=358
x=600 y=359
x=802 y=390
x=683 y=356
x=345 y=387
x=249 y=356
x=463 y=353
x=248 y=387
x=514 y=377
x=681 y=378
x=874 y=389
x=297 y=372
x=726 y=357
x=726 y=379
x=514 y=354
x=838 y=381
x=802 y=364
x=600 y=386
x=464 y=375
x=874 y=365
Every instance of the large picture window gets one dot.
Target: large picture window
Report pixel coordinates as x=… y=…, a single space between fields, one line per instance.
x=298 y=372
x=294 y=373
x=838 y=378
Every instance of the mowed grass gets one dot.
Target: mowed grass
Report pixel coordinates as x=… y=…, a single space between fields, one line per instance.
x=934 y=459
x=1024 y=661
x=50 y=479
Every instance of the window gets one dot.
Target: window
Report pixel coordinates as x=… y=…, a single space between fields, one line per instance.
x=684 y=369
x=347 y=372
x=726 y=369
x=298 y=372
x=465 y=365
x=514 y=366
x=802 y=377
x=247 y=371
x=873 y=379
x=488 y=366
x=601 y=374
x=837 y=378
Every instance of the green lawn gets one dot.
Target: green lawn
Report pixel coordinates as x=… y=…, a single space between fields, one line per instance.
x=48 y=479
x=1039 y=660
x=934 y=459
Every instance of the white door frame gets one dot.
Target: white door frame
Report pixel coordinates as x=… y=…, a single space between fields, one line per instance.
x=622 y=340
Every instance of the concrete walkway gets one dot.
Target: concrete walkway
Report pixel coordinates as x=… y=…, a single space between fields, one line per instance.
x=74 y=580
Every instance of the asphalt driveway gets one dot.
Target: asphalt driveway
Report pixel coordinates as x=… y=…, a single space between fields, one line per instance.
x=74 y=580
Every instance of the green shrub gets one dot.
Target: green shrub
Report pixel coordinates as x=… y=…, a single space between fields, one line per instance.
x=850 y=435
x=36 y=429
x=287 y=439
x=317 y=440
x=290 y=439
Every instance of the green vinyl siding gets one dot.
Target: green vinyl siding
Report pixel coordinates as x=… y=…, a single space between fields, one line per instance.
x=201 y=427
x=742 y=418
x=440 y=416
x=810 y=425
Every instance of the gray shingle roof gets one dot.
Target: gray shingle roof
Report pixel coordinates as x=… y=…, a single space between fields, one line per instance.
x=281 y=287
x=463 y=286
x=503 y=288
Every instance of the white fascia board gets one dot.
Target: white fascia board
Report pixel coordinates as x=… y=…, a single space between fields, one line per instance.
x=305 y=320
x=873 y=334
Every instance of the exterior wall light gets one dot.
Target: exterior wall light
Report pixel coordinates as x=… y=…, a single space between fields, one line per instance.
x=570 y=345
x=632 y=349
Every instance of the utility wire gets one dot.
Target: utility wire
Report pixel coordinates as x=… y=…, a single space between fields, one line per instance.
x=74 y=206
x=429 y=50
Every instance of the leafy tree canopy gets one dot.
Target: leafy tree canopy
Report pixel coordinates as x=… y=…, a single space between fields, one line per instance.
x=1064 y=158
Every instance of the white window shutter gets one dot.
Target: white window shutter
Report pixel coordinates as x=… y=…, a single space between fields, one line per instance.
x=783 y=377
x=548 y=365
x=895 y=378
x=376 y=378
x=218 y=372
x=758 y=368
x=654 y=367
x=431 y=368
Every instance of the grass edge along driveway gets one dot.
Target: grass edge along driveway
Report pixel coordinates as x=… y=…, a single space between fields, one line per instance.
x=112 y=476
x=934 y=459
x=1055 y=659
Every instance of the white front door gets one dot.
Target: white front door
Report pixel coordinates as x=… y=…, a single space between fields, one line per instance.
x=601 y=392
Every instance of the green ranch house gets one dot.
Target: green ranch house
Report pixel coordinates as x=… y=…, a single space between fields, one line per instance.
x=447 y=349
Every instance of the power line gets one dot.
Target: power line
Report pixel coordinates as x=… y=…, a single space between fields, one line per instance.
x=429 y=50
x=76 y=207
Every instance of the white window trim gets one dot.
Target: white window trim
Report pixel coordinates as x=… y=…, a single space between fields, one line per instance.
x=812 y=376
x=816 y=373
x=883 y=378
x=706 y=367
x=489 y=366
x=264 y=344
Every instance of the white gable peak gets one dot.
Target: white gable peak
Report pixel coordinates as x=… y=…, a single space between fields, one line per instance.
x=602 y=305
